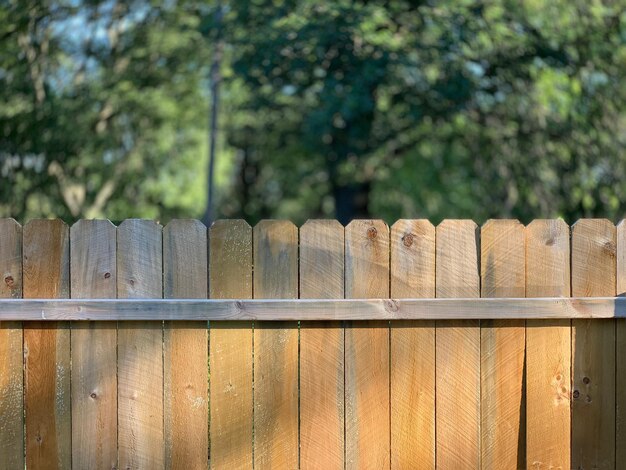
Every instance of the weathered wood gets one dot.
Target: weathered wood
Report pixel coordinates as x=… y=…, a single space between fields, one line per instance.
x=185 y=349
x=620 y=344
x=11 y=350
x=140 y=348
x=593 y=347
x=230 y=276
x=275 y=348
x=503 y=411
x=315 y=309
x=94 y=348
x=47 y=405
x=412 y=348
x=367 y=349
x=321 y=348
x=548 y=348
x=457 y=349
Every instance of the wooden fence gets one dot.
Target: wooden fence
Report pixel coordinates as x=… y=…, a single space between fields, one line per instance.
x=496 y=393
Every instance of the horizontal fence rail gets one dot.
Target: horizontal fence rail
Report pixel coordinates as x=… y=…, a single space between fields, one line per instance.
x=413 y=346
x=312 y=309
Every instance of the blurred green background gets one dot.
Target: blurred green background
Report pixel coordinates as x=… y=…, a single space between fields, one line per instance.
x=436 y=109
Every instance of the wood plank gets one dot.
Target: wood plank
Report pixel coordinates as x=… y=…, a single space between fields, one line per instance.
x=140 y=348
x=94 y=347
x=314 y=309
x=548 y=348
x=412 y=348
x=457 y=349
x=185 y=348
x=47 y=348
x=321 y=348
x=11 y=350
x=275 y=348
x=502 y=349
x=593 y=347
x=367 y=349
x=620 y=344
x=230 y=358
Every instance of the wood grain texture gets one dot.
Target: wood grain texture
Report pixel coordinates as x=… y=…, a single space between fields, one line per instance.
x=185 y=348
x=321 y=348
x=593 y=348
x=275 y=348
x=620 y=345
x=47 y=348
x=457 y=349
x=503 y=413
x=412 y=348
x=230 y=276
x=140 y=348
x=367 y=349
x=11 y=350
x=94 y=347
x=548 y=349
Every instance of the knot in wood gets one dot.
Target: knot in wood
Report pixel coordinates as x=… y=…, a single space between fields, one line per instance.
x=107 y=275
x=372 y=233
x=576 y=394
x=9 y=281
x=407 y=240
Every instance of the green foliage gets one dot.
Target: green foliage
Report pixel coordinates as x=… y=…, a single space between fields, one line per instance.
x=343 y=108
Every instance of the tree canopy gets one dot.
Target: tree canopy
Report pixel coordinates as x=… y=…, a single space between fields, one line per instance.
x=344 y=108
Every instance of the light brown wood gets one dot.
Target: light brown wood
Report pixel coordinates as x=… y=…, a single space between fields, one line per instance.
x=321 y=348
x=185 y=348
x=367 y=349
x=11 y=350
x=412 y=348
x=548 y=348
x=502 y=349
x=457 y=349
x=230 y=276
x=275 y=348
x=47 y=348
x=140 y=348
x=593 y=347
x=620 y=344
x=94 y=347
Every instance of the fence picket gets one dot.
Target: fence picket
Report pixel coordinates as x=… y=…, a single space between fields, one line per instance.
x=185 y=348
x=230 y=357
x=593 y=347
x=140 y=348
x=275 y=348
x=11 y=350
x=412 y=348
x=503 y=410
x=47 y=407
x=367 y=349
x=94 y=347
x=548 y=348
x=620 y=366
x=457 y=349
x=321 y=348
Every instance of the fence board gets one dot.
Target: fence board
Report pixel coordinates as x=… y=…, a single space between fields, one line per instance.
x=230 y=276
x=367 y=349
x=593 y=347
x=620 y=366
x=275 y=348
x=412 y=348
x=185 y=348
x=140 y=348
x=47 y=348
x=503 y=414
x=457 y=349
x=321 y=348
x=11 y=350
x=548 y=348
x=94 y=347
